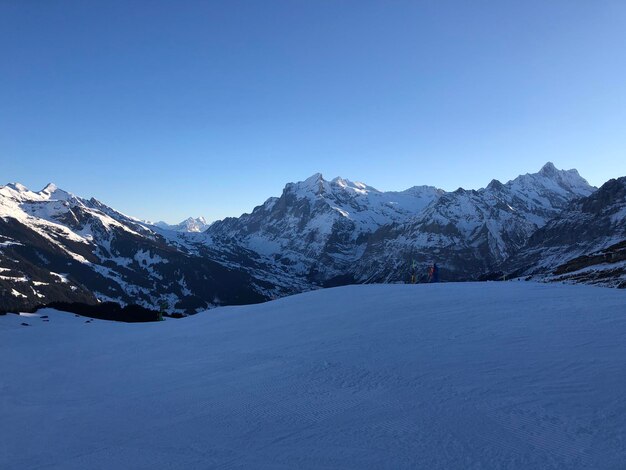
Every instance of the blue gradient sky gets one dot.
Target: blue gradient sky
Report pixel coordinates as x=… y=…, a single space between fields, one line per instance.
x=164 y=109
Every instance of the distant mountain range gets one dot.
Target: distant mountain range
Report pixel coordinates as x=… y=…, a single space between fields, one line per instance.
x=552 y=225
x=190 y=224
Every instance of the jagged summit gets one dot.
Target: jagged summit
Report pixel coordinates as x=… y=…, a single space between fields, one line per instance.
x=314 y=185
x=52 y=191
x=196 y=219
x=495 y=184
x=353 y=186
x=317 y=185
x=357 y=195
x=17 y=187
x=551 y=180
x=19 y=192
x=551 y=171
x=548 y=169
x=50 y=188
x=190 y=224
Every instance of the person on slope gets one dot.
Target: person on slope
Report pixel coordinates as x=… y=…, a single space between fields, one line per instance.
x=433 y=273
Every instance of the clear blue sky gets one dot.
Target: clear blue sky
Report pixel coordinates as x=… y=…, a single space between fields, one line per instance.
x=165 y=109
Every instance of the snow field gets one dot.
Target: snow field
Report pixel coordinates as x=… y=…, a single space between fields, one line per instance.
x=452 y=376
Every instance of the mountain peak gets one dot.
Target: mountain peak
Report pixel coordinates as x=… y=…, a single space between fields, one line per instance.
x=552 y=180
x=314 y=178
x=193 y=224
x=314 y=184
x=548 y=169
x=200 y=219
x=495 y=184
x=50 y=188
x=352 y=186
x=17 y=187
x=190 y=224
x=52 y=191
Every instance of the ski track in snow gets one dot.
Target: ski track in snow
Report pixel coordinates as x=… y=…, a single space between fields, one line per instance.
x=507 y=375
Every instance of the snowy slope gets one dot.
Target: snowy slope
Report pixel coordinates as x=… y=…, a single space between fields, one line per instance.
x=453 y=376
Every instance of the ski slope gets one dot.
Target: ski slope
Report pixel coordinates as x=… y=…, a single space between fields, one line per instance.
x=507 y=375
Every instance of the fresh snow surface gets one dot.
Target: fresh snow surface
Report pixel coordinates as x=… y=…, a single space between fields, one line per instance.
x=508 y=375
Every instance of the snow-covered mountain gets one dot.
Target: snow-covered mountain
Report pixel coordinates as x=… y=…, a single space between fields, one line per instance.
x=55 y=246
x=318 y=228
x=191 y=224
x=586 y=242
x=332 y=232
x=468 y=232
